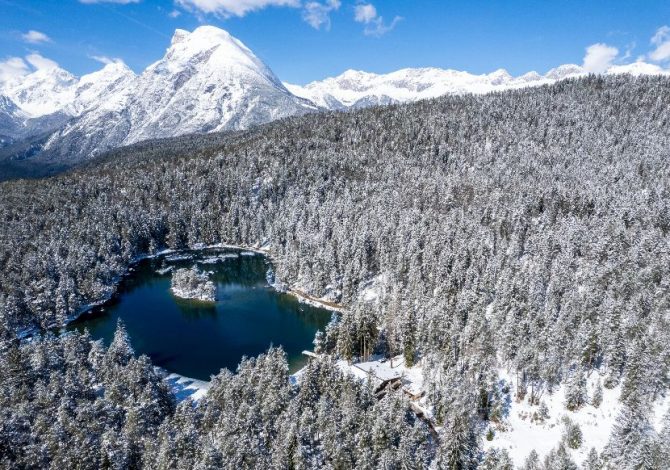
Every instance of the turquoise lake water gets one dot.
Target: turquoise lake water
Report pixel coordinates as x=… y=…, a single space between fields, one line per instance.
x=197 y=339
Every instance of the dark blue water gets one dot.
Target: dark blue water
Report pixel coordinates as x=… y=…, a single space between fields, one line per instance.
x=197 y=339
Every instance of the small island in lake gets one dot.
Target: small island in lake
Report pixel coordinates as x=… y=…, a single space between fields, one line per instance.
x=193 y=284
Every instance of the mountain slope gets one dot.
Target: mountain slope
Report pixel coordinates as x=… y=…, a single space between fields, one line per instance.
x=208 y=81
x=522 y=236
x=17 y=125
x=98 y=88
x=11 y=120
x=215 y=83
x=46 y=91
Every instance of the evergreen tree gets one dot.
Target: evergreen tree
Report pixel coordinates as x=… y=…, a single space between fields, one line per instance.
x=120 y=351
x=496 y=459
x=631 y=443
x=559 y=459
x=664 y=441
x=458 y=446
x=575 y=390
x=597 y=398
x=532 y=462
x=592 y=461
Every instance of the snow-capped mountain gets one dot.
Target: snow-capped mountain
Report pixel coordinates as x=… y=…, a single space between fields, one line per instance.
x=355 y=89
x=50 y=90
x=96 y=88
x=638 y=68
x=215 y=83
x=44 y=100
x=11 y=119
x=47 y=90
x=207 y=81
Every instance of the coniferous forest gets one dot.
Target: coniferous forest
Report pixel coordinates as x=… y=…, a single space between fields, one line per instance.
x=526 y=230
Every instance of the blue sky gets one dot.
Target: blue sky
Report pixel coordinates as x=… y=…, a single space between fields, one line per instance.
x=305 y=40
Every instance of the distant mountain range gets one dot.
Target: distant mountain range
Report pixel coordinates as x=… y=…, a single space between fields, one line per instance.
x=207 y=81
x=356 y=89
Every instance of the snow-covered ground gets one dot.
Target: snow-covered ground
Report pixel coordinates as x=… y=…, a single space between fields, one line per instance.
x=519 y=434
x=315 y=302
x=218 y=258
x=185 y=387
x=164 y=270
x=179 y=257
x=372 y=290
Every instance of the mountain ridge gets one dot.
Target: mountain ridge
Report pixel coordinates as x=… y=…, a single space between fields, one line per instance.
x=355 y=89
x=208 y=81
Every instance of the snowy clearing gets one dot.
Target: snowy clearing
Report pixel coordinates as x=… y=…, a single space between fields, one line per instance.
x=519 y=433
x=185 y=387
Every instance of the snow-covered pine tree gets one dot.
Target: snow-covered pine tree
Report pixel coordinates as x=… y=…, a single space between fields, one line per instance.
x=597 y=398
x=496 y=459
x=532 y=461
x=592 y=461
x=575 y=389
x=632 y=442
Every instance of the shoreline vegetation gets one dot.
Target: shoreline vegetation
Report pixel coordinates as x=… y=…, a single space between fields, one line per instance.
x=300 y=295
x=182 y=383
x=192 y=284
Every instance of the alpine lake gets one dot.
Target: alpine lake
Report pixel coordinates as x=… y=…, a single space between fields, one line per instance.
x=197 y=339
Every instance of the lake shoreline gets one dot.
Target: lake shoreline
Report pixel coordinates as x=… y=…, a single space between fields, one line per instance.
x=210 y=257
x=301 y=296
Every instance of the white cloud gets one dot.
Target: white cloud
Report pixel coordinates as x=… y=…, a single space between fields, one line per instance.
x=227 y=8
x=103 y=59
x=40 y=63
x=599 y=57
x=174 y=14
x=12 y=69
x=366 y=13
x=121 y=2
x=661 y=40
x=35 y=37
x=662 y=35
x=318 y=14
x=628 y=53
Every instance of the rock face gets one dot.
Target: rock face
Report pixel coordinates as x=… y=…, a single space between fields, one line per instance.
x=16 y=124
x=193 y=284
x=100 y=88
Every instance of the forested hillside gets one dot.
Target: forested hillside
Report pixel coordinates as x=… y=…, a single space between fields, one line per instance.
x=526 y=229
